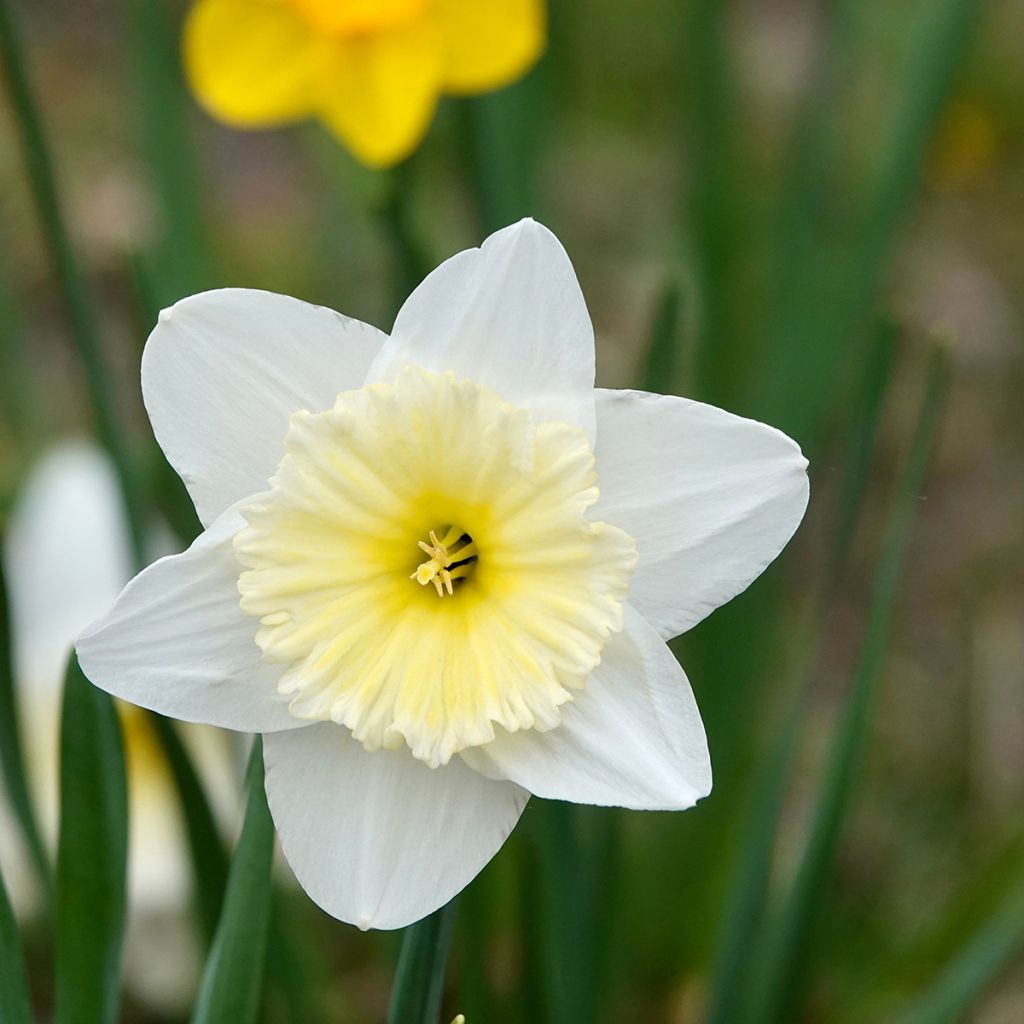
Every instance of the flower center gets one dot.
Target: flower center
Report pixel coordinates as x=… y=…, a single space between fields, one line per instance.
x=451 y=560
x=490 y=621
x=358 y=17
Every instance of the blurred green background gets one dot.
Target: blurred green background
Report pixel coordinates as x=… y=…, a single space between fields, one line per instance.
x=810 y=213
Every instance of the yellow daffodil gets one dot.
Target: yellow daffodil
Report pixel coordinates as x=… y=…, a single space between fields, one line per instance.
x=371 y=70
x=439 y=568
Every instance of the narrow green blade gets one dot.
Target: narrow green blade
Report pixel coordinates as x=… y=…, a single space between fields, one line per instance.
x=828 y=284
x=787 y=941
x=14 y=1002
x=716 y=197
x=419 y=978
x=663 y=366
x=206 y=848
x=394 y=212
x=993 y=947
x=232 y=985
x=70 y=276
x=503 y=138
x=12 y=757
x=91 y=855
x=182 y=260
x=743 y=910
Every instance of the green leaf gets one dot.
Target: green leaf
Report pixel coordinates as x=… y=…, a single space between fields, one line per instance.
x=419 y=978
x=663 y=365
x=503 y=138
x=979 y=962
x=91 y=855
x=70 y=276
x=206 y=848
x=716 y=197
x=787 y=941
x=742 y=914
x=12 y=758
x=14 y=1002
x=834 y=250
x=232 y=985
x=574 y=874
x=393 y=209
x=182 y=260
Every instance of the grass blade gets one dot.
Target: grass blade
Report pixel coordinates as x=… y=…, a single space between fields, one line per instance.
x=828 y=285
x=15 y=1007
x=715 y=200
x=744 y=905
x=419 y=978
x=91 y=855
x=787 y=941
x=979 y=962
x=12 y=755
x=70 y=277
x=232 y=985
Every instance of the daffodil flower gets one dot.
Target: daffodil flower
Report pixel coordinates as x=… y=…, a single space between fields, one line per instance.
x=371 y=70
x=67 y=556
x=439 y=568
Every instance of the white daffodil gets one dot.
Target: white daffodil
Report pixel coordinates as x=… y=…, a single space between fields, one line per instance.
x=439 y=569
x=67 y=555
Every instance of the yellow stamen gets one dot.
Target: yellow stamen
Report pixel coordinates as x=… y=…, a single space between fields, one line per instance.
x=456 y=549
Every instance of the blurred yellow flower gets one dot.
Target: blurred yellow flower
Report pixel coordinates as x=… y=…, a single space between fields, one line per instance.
x=372 y=70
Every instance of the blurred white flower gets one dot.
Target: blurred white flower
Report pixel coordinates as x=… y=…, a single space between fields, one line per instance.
x=67 y=555
x=440 y=612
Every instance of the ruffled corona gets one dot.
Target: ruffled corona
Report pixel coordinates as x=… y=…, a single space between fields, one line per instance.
x=424 y=566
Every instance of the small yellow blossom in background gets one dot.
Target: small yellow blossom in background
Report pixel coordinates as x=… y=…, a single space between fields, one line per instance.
x=965 y=148
x=371 y=70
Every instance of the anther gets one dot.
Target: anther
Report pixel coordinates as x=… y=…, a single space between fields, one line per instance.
x=451 y=559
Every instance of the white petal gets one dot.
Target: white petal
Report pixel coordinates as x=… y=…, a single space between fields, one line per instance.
x=710 y=498
x=632 y=738
x=177 y=642
x=224 y=370
x=379 y=839
x=509 y=315
x=67 y=556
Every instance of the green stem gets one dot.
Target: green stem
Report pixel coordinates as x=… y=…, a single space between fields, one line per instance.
x=232 y=985
x=419 y=978
x=394 y=213
x=81 y=314
x=502 y=141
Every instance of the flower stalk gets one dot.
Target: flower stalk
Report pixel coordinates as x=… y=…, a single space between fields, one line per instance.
x=419 y=978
